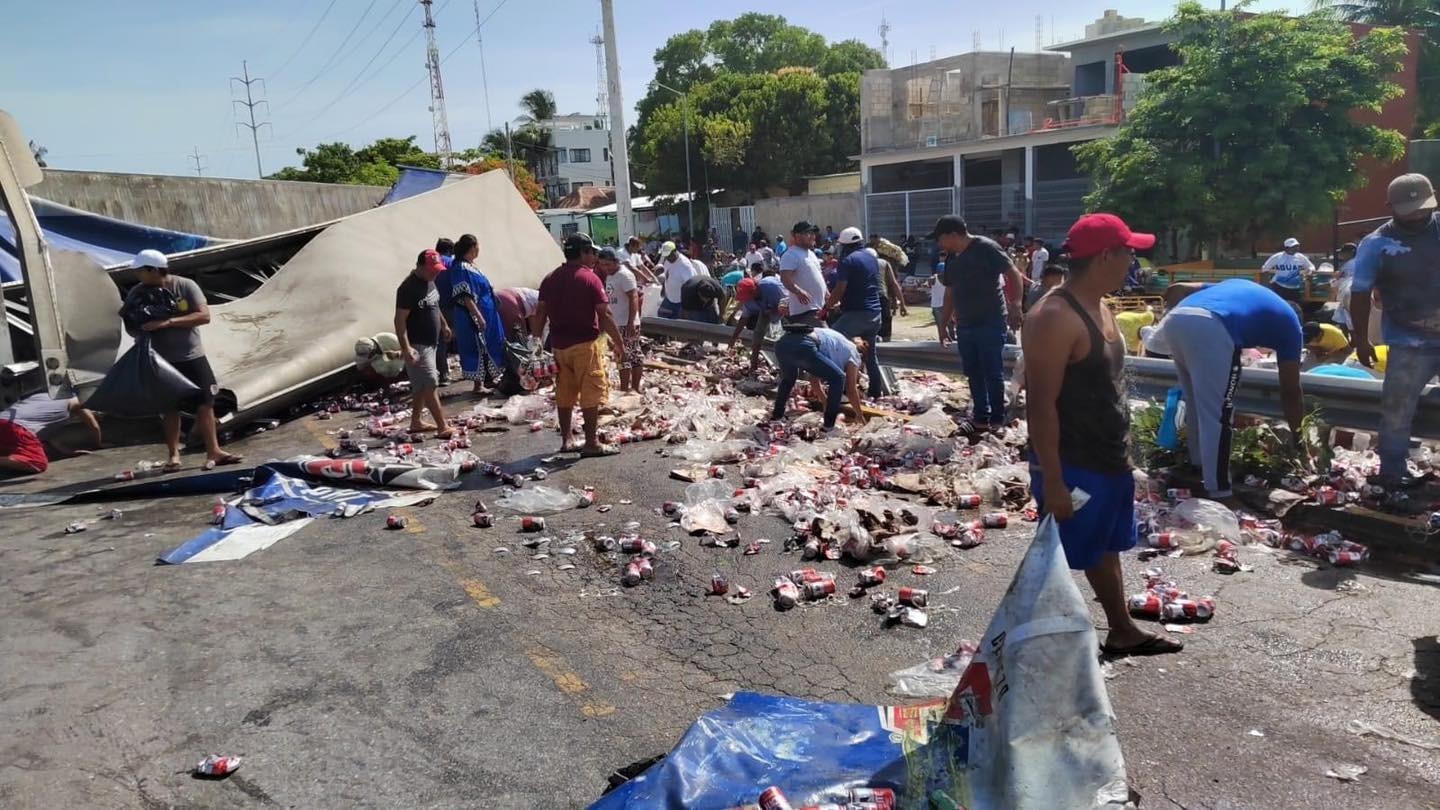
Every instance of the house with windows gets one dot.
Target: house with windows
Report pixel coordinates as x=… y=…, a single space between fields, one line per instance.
x=579 y=156
x=988 y=134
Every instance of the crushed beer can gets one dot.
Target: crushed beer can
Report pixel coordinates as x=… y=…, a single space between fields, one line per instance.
x=631 y=575
x=1177 y=494
x=872 y=576
x=913 y=597
x=719 y=585
x=217 y=766
x=1329 y=496
x=396 y=522
x=483 y=520
x=787 y=593
x=1181 y=610
x=530 y=523
x=76 y=527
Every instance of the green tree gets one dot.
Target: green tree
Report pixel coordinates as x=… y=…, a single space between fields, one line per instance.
x=539 y=105
x=326 y=163
x=770 y=103
x=1252 y=132
x=1422 y=16
x=375 y=165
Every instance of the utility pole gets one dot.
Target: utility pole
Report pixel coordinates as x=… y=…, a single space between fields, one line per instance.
x=509 y=152
x=620 y=159
x=197 y=157
x=437 y=91
x=484 y=81
x=884 y=30
x=250 y=104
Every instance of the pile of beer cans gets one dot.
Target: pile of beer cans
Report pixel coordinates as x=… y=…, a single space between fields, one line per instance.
x=1163 y=599
x=860 y=798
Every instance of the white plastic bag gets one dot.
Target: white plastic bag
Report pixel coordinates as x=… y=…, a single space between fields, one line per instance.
x=523 y=408
x=538 y=501
x=1207 y=517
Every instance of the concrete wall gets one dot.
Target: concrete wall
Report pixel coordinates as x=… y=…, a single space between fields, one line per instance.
x=231 y=209
x=846 y=183
x=778 y=214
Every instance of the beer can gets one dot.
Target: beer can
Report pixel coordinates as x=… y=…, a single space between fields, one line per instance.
x=716 y=471
x=537 y=426
x=483 y=520
x=396 y=522
x=872 y=576
x=719 y=586
x=637 y=545
x=800 y=576
x=732 y=515
x=995 y=520
x=532 y=524
x=631 y=576
x=879 y=796
x=217 y=766
x=1146 y=604
x=587 y=497
x=881 y=603
x=540 y=473
x=772 y=798
x=1163 y=540
x=787 y=593
x=751 y=550
x=670 y=508
x=1329 y=496
x=819 y=589
x=1345 y=556
x=812 y=549
x=647 y=568
x=914 y=597
x=1177 y=494
x=970 y=500
x=217 y=513
x=125 y=475
x=1189 y=610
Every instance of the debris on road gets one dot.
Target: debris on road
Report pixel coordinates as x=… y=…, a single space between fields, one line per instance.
x=1346 y=772
x=217 y=767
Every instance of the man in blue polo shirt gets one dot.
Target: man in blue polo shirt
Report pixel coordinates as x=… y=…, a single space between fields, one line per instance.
x=759 y=300
x=1205 y=334
x=857 y=293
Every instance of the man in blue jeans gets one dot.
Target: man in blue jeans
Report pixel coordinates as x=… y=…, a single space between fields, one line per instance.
x=975 y=297
x=827 y=354
x=1399 y=261
x=857 y=293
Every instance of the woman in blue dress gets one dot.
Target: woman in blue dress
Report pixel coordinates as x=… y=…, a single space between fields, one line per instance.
x=479 y=334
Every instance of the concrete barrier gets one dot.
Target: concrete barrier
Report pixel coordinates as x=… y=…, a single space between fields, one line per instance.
x=230 y=209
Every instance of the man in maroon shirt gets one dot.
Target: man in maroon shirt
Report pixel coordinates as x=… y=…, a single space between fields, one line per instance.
x=573 y=302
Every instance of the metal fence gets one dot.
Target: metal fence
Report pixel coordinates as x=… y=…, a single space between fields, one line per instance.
x=893 y=214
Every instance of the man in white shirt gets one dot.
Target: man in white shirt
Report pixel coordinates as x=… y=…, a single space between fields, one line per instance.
x=624 y=294
x=754 y=255
x=1038 y=259
x=1290 y=267
x=801 y=275
x=644 y=269
x=937 y=306
x=677 y=270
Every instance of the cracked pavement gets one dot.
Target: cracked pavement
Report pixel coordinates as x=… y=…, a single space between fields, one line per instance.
x=354 y=666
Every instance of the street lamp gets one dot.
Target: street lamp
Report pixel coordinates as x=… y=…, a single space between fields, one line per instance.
x=689 y=189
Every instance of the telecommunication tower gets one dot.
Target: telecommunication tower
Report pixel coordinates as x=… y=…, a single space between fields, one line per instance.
x=437 y=90
x=602 y=103
x=884 y=31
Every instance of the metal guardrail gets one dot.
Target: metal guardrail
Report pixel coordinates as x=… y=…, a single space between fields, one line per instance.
x=1344 y=402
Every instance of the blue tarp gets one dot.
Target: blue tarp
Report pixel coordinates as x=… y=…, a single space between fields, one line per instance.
x=110 y=241
x=415 y=181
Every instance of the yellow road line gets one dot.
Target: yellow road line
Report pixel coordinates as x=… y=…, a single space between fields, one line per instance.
x=326 y=440
x=479 y=593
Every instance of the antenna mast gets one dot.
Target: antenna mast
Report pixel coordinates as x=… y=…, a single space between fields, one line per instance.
x=602 y=105
x=437 y=90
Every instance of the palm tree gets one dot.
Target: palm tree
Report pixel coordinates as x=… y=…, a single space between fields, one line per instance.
x=539 y=105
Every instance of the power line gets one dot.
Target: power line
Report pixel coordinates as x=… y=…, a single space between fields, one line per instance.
x=305 y=41
x=403 y=93
x=357 y=81
x=250 y=104
x=326 y=66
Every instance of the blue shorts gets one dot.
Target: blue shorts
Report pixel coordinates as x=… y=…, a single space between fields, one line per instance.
x=1107 y=521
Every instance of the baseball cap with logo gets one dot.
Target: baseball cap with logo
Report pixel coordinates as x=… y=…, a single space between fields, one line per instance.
x=1094 y=234
x=851 y=236
x=1410 y=193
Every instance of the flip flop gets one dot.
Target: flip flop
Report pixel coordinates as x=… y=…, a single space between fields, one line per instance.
x=445 y=434
x=424 y=428
x=1154 y=645
x=602 y=450
x=223 y=461
x=171 y=466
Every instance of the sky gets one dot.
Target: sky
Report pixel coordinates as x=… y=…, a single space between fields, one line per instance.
x=138 y=86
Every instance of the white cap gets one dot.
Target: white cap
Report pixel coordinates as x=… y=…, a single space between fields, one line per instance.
x=150 y=258
x=851 y=236
x=1292 y=242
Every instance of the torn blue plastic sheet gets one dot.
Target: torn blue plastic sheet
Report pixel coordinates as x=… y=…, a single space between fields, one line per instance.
x=814 y=751
x=276 y=509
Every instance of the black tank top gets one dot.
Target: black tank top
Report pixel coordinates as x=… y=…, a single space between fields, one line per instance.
x=1094 y=414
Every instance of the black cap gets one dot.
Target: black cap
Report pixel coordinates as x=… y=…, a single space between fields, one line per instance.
x=804 y=227
x=608 y=254
x=950 y=223
x=578 y=241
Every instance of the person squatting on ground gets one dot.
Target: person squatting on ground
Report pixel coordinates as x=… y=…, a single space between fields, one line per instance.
x=574 y=304
x=677 y=270
x=828 y=355
x=1080 y=421
x=177 y=340
x=30 y=433
x=760 y=300
x=421 y=327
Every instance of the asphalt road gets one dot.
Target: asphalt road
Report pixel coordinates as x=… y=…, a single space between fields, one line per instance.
x=353 y=666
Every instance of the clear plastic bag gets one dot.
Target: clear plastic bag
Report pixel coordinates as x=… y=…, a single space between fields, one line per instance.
x=524 y=408
x=1207 y=518
x=998 y=484
x=705 y=516
x=936 y=677
x=712 y=452
x=539 y=501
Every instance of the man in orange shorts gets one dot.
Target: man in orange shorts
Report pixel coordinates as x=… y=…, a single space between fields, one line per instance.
x=574 y=303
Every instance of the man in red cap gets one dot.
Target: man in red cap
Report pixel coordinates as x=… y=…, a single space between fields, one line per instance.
x=1080 y=420
x=421 y=327
x=759 y=299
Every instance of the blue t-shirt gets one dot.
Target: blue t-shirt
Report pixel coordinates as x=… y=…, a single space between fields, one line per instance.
x=733 y=277
x=837 y=347
x=1405 y=268
x=772 y=292
x=861 y=274
x=1253 y=315
x=442 y=282
x=1336 y=370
